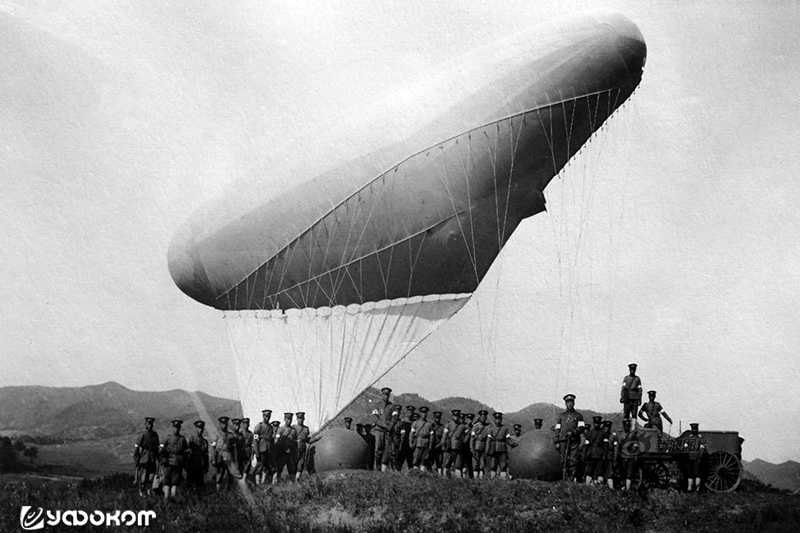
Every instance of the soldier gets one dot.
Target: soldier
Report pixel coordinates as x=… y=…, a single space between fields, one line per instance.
x=369 y=438
x=303 y=436
x=477 y=444
x=466 y=452
x=497 y=447
x=145 y=454
x=612 y=454
x=237 y=443
x=247 y=438
x=628 y=453
x=695 y=445
x=631 y=393
x=537 y=423
x=197 y=466
x=348 y=423
x=435 y=458
x=273 y=451
x=385 y=428
x=262 y=440
x=594 y=452
x=513 y=440
x=405 y=454
x=421 y=438
x=568 y=437
x=224 y=457
x=451 y=443
x=652 y=411
x=173 y=451
x=285 y=442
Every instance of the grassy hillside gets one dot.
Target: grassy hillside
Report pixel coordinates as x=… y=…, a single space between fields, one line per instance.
x=408 y=503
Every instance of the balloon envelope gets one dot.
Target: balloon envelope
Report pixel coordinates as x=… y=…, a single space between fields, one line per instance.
x=535 y=457
x=339 y=449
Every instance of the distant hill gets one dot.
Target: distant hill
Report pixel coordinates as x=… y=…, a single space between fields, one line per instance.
x=101 y=411
x=784 y=476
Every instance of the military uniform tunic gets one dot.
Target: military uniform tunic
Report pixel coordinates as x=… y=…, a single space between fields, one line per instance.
x=146 y=455
x=497 y=447
x=174 y=452
x=198 y=461
x=421 y=439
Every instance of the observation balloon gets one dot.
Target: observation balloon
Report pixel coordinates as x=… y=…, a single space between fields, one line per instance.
x=338 y=449
x=337 y=263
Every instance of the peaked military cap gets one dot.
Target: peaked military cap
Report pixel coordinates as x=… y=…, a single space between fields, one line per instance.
x=236 y=420
x=410 y=408
x=300 y=414
x=651 y=392
x=397 y=407
x=455 y=412
x=569 y=397
x=694 y=424
x=606 y=423
x=223 y=419
x=538 y=420
x=517 y=426
x=483 y=412
x=199 y=424
x=437 y=413
x=597 y=419
x=634 y=365
x=469 y=415
x=246 y=420
x=497 y=415
x=288 y=415
x=626 y=421
x=275 y=423
x=386 y=390
x=149 y=419
x=348 y=419
x=267 y=411
x=424 y=409
x=177 y=422
x=414 y=416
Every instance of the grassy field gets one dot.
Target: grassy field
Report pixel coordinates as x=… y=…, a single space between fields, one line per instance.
x=414 y=502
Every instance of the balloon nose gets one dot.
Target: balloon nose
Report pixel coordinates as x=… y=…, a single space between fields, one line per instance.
x=186 y=267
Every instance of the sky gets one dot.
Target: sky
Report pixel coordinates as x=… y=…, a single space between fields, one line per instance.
x=671 y=241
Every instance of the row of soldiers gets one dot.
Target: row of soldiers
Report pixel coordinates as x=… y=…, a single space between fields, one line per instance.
x=271 y=446
x=462 y=447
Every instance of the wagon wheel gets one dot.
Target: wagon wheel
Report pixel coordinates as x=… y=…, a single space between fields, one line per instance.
x=724 y=472
x=655 y=475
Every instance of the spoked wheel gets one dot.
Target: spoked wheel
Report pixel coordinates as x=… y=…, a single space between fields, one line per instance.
x=724 y=472
x=655 y=475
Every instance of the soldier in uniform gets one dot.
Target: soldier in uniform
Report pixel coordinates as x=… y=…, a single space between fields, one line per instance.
x=451 y=444
x=513 y=440
x=421 y=438
x=348 y=423
x=568 y=438
x=497 y=447
x=224 y=455
x=369 y=438
x=385 y=428
x=631 y=393
x=466 y=452
x=537 y=423
x=405 y=454
x=628 y=453
x=262 y=444
x=477 y=444
x=237 y=443
x=174 y=450
x=435 y=458
x=246 y=438
x=285 y=442
x=612 y=454
x=652 y=411
x=695 y=445
x=197 y=466
x=145 y=455
x=303 y=436
x=594 y=452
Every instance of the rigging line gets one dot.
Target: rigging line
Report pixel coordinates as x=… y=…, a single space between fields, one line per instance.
x=514 y=148
x=494 y=179
x=366 y=223
x=469 y=198
x=414 y=262
x=445 y=183
x=407 y=158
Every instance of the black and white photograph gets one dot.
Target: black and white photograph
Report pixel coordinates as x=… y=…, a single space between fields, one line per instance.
x=400 y=266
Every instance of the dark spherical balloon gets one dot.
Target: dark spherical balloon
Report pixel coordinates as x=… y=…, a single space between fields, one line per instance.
x=338 y=449
x=535 y=457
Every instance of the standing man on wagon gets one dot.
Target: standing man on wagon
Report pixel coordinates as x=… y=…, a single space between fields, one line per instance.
x=652 y=411
x=630 y=395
